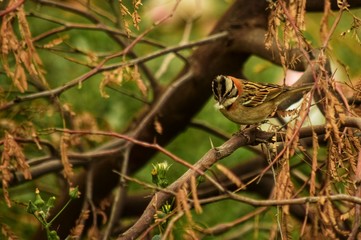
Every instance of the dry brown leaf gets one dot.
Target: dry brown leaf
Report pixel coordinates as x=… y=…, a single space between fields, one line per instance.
x=55 y=42
x=324 y=31
x=230 y=175
x=291 y=146
x=15 y=152
x=76 y=231
x=315 y=148
x=6 y=178
x=93 y=233
x=158 y=126
x=332 y=161
x=182 y=203
x=124 y=12
x=118 y=75
x=88 y=122
x=12 y=158
x=136 y=19
x=281 y=32
x=19 y=78
x=21 y=48
x=137 y=4
x=351 y=146
x=34 y=64
x=283 y=185
x=68 y=167
x=283 y=190
x=7 y=233
x=197 y=205
x=111 y=77
x=135 y=75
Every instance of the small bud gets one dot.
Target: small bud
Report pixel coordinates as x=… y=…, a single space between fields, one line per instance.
x=159 y=174
x=74 y=193
x=50 y=202
x=201 y=179
x=157 y=237
x=39 y=202
x=32 y=208
x=167 y=208
x=53 y=235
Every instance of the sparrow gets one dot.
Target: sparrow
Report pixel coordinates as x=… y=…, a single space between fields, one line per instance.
x=246 y=103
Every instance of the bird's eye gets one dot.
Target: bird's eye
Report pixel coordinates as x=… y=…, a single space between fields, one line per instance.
x=233 y=92
x=228 y=94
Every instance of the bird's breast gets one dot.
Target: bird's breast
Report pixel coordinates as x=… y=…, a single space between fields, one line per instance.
x=248 y=115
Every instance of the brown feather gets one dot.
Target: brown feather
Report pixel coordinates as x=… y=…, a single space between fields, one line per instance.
x=255 y=94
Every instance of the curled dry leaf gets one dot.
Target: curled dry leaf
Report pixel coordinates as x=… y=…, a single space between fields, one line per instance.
x=68 y=167
x=12 y=158
x=182 y=203
x=197 y=205
x=315 y=148
x=79 y=226
x=137 y=4
x=284 y=187
x=111 y=77
x=230 y=175
x=19 y=78
x=7 y=233
x=135 y=75
x=280 y=30
x=136 y=19
x=94 y=232
x=335 y=114
x=124 y=12
x=291 y=146
x=18 y=53
x=86 y=121
x=55 y=42
x=158 y=127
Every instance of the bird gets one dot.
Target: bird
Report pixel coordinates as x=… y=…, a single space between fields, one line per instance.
x=246 y=103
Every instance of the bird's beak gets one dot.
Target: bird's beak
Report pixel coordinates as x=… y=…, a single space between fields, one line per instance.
x=219 y=104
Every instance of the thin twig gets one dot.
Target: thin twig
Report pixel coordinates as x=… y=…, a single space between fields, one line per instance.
x=221 y=228
x=119 y=196
x=296 y=201
x=160 y=21
x=100 y=68
x=65 y=26
x=280 y=202
x=89 y=193
x=70 y=8
x=209 y=129
x=207 y=40
x=170 y=226
x=48 y=164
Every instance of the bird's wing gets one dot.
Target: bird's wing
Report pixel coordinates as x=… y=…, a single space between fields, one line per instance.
x=255 y=94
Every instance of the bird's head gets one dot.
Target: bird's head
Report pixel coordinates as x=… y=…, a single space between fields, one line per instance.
x=225 y=91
